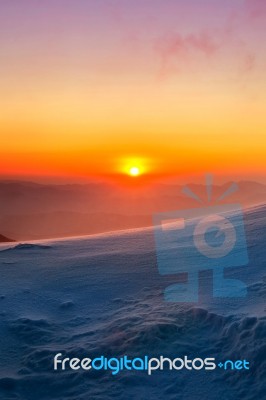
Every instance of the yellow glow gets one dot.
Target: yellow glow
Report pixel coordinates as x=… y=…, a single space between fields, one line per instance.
x=133 y=165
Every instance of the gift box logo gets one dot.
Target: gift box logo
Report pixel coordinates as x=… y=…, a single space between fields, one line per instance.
x=199 y=239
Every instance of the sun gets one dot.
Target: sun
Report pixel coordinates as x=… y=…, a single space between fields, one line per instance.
x=134 y=171
x=132 y=166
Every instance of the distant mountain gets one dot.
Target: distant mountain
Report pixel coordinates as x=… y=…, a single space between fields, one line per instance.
x=64 y=224
x=38 y=211
x=4 y=239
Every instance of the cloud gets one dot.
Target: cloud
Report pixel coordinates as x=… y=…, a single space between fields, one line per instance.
x=176 y=44
x=226 y=44
x=182 y=48
x=226 y=47
x=249 y=63
x=256 y=9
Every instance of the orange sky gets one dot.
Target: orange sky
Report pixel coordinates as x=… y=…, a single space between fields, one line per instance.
x=90 y=91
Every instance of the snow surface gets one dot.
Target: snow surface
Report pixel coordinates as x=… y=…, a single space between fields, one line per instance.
x=102 y=294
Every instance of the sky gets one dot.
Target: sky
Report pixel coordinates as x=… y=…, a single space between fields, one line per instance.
x=92 y=88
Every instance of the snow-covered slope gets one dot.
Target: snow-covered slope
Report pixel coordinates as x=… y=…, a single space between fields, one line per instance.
x=103 y=294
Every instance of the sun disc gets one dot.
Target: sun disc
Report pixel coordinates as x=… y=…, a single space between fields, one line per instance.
x=134 y=171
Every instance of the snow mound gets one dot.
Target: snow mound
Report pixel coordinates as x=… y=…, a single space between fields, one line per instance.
x=28 y=246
